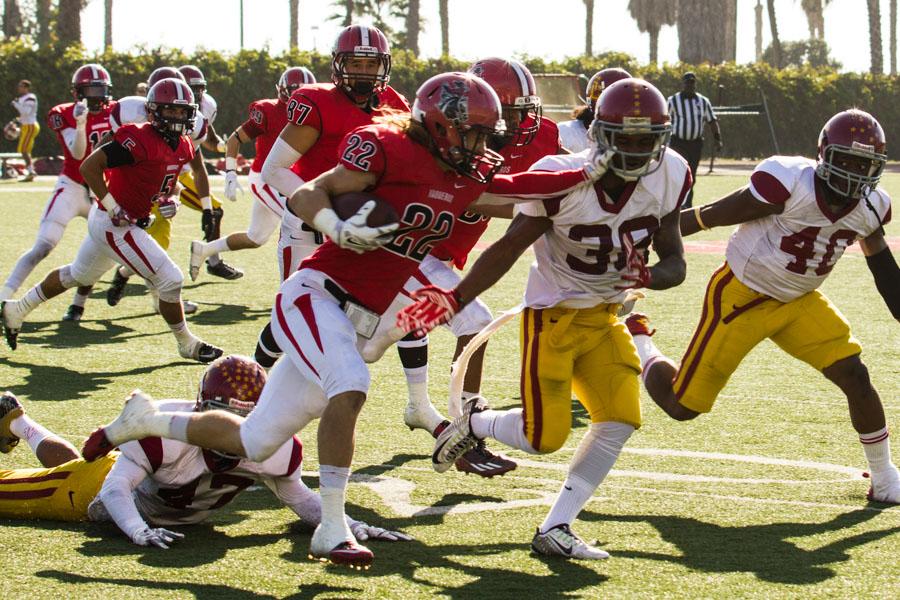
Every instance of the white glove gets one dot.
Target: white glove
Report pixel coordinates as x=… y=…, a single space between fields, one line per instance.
x=353 y=234
x=80 y=112
x=167 y=207
x=232 y=185
x=364 y=531
x=158 y=537
x=598 y=162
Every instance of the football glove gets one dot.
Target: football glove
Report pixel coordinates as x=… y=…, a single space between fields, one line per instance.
x=353 y=234
x=209 y=223
x=364 y=531
x=636 y=270
x=432 y=306
x=598 y=163
x=167 y=207
x=232 y=185
x=80 y=112
x=159 y=537
x=120 y=217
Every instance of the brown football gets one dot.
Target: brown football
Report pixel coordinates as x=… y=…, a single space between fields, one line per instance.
x=347 y=204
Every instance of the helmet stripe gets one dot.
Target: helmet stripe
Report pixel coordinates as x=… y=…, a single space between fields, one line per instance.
x=520 y=73
x=179 y=92
x=94 y=74
x=364 y=33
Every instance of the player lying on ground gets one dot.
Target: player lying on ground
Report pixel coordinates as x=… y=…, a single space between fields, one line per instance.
x=589 y=252
x=141 y=164
x=154 y=483
x=796 y=218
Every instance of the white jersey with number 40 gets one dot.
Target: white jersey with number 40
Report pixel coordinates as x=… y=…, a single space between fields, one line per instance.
x=790 y=254
x=580 y=261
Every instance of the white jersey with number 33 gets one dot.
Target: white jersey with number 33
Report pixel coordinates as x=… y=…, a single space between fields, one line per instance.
x=790 y=254
x=580 y=260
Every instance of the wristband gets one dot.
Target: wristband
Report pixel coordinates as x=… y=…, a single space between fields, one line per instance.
x=206 y=203
x=230 y=163
x=108 y=202
x=326 y=221
x=699 y=220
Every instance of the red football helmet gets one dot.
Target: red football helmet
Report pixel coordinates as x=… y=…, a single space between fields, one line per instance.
x=194 y=77
x=92 y=82
x=174 y=97
x=851 y=133
x=291 y=79
x=518 y=97
x=631 y=109
x=361 y=41
x=231 y=383
x=164 y=73
x=600 y=81
x=451 y=107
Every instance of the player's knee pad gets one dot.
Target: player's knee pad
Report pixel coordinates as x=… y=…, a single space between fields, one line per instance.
x=48 y=236
x=168 y=282
x=66 y=278
x=552 y=441
x=259 y=235
x=258 y=444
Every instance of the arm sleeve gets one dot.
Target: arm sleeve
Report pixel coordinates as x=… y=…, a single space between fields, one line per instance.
x=276 y=170
x=302 y=110
x=294 y=494
x=117 y=495
x=76 y=141
x=255 y=125
x=117 y=155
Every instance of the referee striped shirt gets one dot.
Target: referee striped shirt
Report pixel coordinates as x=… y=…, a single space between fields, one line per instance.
x=689 y=115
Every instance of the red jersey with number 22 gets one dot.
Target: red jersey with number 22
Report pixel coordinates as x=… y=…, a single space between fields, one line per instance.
x=154 y=171
x=60 y=118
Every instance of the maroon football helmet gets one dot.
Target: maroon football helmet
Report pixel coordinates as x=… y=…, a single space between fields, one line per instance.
x=518 y=97
x=361 y=41
x=291 y=79
x=171 y=94
x=163 y=73
x=461 y=112
x=851 y=133
x=194 y=77
x=600 y=81
x=631 y=107
x=92 y=83
x=231 y=383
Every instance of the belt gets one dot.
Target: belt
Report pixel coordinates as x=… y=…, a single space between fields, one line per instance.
x=340 y=294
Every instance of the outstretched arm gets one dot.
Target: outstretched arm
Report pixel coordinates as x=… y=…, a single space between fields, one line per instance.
x=737 y=207
x=884 y=269
x=671 y=268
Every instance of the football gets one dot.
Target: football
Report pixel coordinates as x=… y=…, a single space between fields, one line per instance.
x=346 y=205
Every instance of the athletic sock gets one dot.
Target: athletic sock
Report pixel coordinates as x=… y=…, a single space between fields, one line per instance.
x=413 y=353
x=28 y=429
x=877 y=447
x=214 y=247
x=267 y=350
x=6 y=292
x=79 y=299
x=19 y=309
x=182 y=334
x=332 y=488
x=213 y=260
x=505 y=426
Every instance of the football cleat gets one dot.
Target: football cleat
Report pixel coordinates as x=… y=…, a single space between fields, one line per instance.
x=422 y=415
x=10 y=408
x=73 y=313
x=639 y=324
x=885 y=486
x=131 y=424
x=562 y=541
x=189 y=307
x=222 y=269
x=481 y=461
x=200 y=351
x=10 y=329
x=336 y=544
x=457 y=438
x=29 y=176
x=116 y=289
x=196 y=259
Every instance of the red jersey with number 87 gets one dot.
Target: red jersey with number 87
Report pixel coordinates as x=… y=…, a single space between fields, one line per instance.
x=154 y=171
x=329 y=111
x=790 y=254
x=62 y=120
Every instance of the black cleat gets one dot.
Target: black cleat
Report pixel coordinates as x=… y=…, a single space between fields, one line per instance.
x=74 y=313
x=224 y=270
x=11 y=334
x=116 y=289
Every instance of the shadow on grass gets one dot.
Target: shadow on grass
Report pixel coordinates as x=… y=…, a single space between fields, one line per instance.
x=224 y=314
x=764 y=550
x=60 y=334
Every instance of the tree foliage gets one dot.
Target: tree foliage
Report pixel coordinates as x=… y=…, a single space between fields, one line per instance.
x=650 y=16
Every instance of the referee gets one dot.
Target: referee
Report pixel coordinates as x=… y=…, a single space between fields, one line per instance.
x=689 y=112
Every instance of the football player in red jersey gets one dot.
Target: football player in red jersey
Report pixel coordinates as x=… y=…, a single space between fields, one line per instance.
x=141 y=163
x=349 y=289
x=265 y=122
x=529 y=137
x=78 y=126
x=796 y=218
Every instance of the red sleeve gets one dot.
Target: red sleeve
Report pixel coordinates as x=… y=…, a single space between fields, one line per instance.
x=56 y=119
x=538 y=184
x=361 y=150
x=685 y=188
x=301 y=110
x=769 y=188
x=152 y=447
x=130 y=138
x=255 y=125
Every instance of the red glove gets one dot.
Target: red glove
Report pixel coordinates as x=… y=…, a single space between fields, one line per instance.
x=636 y=270
x=433 y=306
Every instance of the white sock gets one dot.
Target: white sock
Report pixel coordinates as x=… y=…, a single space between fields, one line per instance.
x=505 y=426
x=213 y=259
x=593 y=460
x=332 y=489
x=214 y=247
x=182 y=334
x=877 y=447
x=6 y=292
x=26 y=428
x=647 y=350
x=125 y=272
x=19 y=309
x=417 y=384
x=79 y=299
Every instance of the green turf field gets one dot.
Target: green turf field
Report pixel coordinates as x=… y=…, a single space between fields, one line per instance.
x=763 y=497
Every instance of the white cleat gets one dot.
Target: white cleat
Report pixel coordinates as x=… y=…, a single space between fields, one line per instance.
x=456 y=438
x=132 y=422
x=335 y=543
x=885 y=486
x=562 y=541
x=422 y=416
x=196 y=259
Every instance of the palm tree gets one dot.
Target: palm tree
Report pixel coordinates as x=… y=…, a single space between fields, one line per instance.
x=875 y=50
x=42 y=12
x=651 y=15
x=815 y=17
x=12 y=19
x=68 y=22
x=107 y=24
x=707 y=30
x=413 y=26
x=773 y=26
x=893 y=37
x=589 y=27
x=444 y=10
x=294 y=8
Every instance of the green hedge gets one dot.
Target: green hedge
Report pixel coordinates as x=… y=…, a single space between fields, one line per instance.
x=800 y=100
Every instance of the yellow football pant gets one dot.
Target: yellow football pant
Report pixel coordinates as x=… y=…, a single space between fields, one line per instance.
x=585 y=349
x=61 y=493
x=161 y=228
x=27 y=135
x=735 y=319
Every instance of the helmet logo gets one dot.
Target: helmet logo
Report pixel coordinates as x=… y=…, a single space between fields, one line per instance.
x=864 y=147
x=454 y=101
x=365 y=50
x=477 y=70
